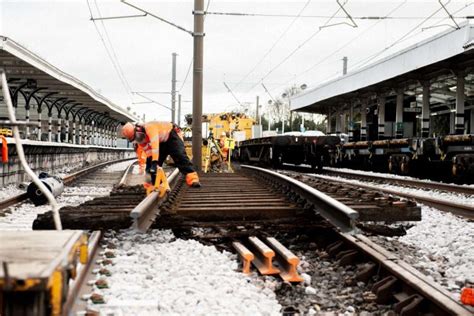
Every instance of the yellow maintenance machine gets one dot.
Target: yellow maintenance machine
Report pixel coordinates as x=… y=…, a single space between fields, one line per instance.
x=222 y=130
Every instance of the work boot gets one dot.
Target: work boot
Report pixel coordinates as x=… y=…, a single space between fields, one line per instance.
x=192 y=180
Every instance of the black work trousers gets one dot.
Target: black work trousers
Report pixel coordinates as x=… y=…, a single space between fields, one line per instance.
x=174 y=147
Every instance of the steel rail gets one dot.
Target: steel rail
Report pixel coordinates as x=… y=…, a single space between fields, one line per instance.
x=145 y=212
x=338 y=214
x=85 y=270
x=463 y=210
x=414 y=280
x=408 y=275
x=405 y=182
x=125 y=174
x=80 y=282
x=67 y=179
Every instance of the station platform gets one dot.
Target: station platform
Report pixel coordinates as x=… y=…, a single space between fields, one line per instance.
x=53 y=156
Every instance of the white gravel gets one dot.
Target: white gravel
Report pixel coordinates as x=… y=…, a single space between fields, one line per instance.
x=156 y=274
x=9 y=191
x=21 y=217
x=459 y=198
x=441 y=244
x=445 y=244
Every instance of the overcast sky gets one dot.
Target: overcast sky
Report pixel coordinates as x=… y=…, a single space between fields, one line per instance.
x=242 y=51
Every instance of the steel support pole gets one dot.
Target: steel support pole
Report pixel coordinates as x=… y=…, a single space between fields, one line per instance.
x=460 y=99
x=66 y=136
x=328 y=123
x=59 y=126
x=399 y=114
x=39 y=127
x=351 y=123
x=381 y=118
x=178 y=119
x=197 y=82
x=425 y=111
x=74 y=131
x=363 y=121
x=256 y=110
x=80 y=132
x=50 y=122
x=338 y=123
x=27 y=120
x=173 y=89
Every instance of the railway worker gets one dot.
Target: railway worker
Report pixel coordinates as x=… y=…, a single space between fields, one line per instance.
x=222 y=141
x=158 y=140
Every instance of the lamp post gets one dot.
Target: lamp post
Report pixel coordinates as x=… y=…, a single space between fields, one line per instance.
x=269 y=118
x=286 y=95
x=289 y=95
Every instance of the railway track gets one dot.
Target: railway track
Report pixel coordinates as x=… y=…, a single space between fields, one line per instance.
x=253 y=203
x=68 y=180
x=463 y=210
x=411 y=183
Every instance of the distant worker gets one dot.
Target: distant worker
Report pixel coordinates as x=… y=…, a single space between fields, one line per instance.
x=158 y=140
x=222 y=144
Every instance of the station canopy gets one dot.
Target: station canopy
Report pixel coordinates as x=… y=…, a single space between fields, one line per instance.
x=35 y=75
x=435 y=59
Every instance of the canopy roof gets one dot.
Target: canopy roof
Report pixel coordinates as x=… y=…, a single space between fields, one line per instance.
x=433 y=58
x=30 y=72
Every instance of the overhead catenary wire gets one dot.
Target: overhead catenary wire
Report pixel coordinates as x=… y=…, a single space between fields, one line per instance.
x=274 y=44
x=328 y=56
x=369 y=17
x=232 y=93
x=372 y=57
x=420 y=31
x=112 y=49
x=268 y=92
x=337 y=73
x=109 y=54
x=296 y=49
x=151 y=100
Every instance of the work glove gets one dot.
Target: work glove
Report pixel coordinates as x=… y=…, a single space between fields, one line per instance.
x=154 y=167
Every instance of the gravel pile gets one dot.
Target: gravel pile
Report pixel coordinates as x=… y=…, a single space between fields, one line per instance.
x=440 y=246
x=10 y=191
x=155 y=273
x=21 y=216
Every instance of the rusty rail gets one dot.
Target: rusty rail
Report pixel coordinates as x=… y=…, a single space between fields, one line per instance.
x=333 y=211
x=446 y=206
x=415 y=280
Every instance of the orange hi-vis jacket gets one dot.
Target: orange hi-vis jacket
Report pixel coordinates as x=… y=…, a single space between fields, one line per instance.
x=141 y=157
x=156 y=133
